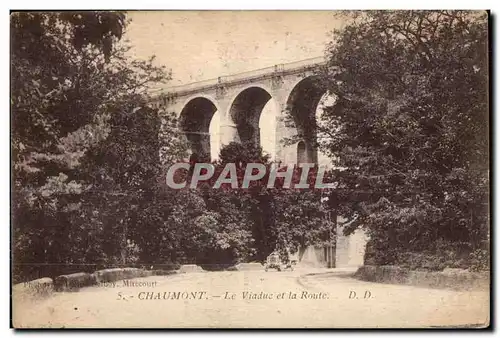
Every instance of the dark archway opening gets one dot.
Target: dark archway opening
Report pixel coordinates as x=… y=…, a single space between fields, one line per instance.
x=301 y=152
x=302 y=105
x=245 y=113
x=194 y=122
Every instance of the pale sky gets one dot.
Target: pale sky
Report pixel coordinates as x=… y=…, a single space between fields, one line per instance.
x=201 y=45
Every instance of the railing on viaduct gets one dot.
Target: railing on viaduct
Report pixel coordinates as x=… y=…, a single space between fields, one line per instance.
x=245 y=77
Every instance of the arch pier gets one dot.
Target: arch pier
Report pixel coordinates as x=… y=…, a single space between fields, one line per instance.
x=238 y=102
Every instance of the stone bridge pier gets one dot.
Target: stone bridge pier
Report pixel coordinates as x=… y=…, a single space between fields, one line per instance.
x=295 y=91
x=239 y=101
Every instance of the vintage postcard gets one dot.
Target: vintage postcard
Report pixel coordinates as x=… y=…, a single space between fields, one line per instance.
x=250 y=169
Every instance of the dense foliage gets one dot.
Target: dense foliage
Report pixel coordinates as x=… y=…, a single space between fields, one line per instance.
x=411 y=127
x=263 y=219
x=90 y=159
x=408 y=135
x=77 y=101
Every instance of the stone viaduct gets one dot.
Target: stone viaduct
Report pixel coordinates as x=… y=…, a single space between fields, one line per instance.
x=240 y=98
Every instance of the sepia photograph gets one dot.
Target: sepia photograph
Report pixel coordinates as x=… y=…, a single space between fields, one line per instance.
x=250 y=169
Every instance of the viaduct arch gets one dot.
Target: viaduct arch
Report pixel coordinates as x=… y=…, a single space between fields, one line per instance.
x=240 y=99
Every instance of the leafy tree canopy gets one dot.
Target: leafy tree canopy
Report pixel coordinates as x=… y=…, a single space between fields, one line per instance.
x=84 y=145
x=411 y=127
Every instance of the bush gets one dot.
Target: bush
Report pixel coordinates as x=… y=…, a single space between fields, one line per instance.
x=436 y=256
x=480 y=260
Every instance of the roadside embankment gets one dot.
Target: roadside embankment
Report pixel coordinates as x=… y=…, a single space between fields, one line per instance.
x=44 y=287
x=35 y=289
x=457 y=279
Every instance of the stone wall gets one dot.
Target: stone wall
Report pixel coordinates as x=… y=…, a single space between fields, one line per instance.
x=73 y=282
x=458 y=279
x=350 y=250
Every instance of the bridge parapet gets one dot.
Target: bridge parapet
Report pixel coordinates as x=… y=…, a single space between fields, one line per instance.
x=242 y=78
x=239 y=100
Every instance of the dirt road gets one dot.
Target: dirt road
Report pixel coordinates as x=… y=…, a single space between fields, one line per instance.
x=253 y=299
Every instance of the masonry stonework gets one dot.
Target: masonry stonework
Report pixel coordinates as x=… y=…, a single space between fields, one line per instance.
x=239 y=99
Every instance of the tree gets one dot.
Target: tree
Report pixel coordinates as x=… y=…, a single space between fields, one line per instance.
x=254 y=222
x=53 y=55
x=90 y=162
x=411 y=127
x=77 y=102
